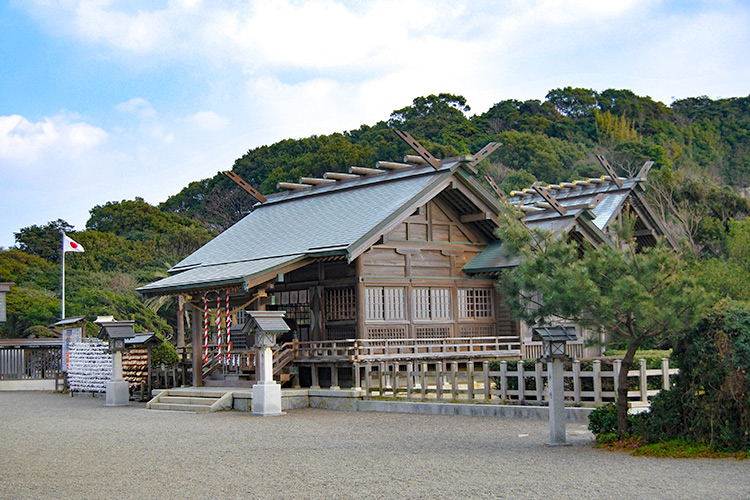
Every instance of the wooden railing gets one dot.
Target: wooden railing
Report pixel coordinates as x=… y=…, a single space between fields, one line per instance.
x=471 y=381
x=284 y=355
x=362 y=350
x=326 y=351
x=533 y=350
x=454 y=347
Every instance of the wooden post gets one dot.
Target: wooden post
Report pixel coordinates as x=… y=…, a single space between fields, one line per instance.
x=396 y=381
x=357 y=376
x=368 y=378
x=521 y=381
x=577 y=381
x=665 y=374
x=381 y=375
x=361 y=332
x=470 y=378
x=486 y=378
x=643 y=380
x=313 y=375
x=597 y=381
x=503 y=381
x=538 y=381
x=616 y=367
x=423 y=379
x=454 y=380
x=409 y=379
x=197 y=348
x=181 y=323
x=334 y=377
x=439 y=380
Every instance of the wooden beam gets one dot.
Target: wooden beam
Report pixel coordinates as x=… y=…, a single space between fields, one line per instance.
x=485 y=152
x=610 y=170
x=494 y=186
x=421 y=150
x=475 y=217
x=339 y=176
x=415 y=159
x=291 y=185
x=365 y=171
x=643 y=172
x=554 y=204
x=244 y=185
x=392 y=165
x=315 y=180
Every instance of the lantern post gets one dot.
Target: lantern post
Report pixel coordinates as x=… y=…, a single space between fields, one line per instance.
x=266 y=326
x=553 y=341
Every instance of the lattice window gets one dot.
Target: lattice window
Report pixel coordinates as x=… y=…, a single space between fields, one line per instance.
x=432 y=303
x=433 y=332
x=343 y=333
x=385 y=303
x=386 y=332
x=477 y=331
x=340 y=304
x=240 y=318
x=475 y=302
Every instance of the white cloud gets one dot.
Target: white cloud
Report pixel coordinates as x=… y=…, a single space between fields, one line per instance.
x=139 y=107
x=208 y=120
x=22 y=141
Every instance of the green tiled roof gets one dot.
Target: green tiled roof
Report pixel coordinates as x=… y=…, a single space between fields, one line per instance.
x=303 y=223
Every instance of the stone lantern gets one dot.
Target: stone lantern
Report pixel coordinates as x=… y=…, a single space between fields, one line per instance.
x=553 y=340
x=266 y=326
x=118 y=393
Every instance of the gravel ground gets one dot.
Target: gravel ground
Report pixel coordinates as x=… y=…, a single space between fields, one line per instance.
x=55 y=446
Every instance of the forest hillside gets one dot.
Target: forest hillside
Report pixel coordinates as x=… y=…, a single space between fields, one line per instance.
x=698 y=185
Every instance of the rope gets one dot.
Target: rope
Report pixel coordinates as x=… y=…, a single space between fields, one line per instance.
x=228 y=319
x=205 y=330
x=218 y=322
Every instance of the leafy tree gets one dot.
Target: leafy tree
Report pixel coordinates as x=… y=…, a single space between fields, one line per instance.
x=710 y=402
x=632 y=296
x=573 y=102
x=429 y=117
x=44 y=241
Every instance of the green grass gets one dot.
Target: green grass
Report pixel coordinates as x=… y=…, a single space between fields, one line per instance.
x=645 y=354
x=668 y=449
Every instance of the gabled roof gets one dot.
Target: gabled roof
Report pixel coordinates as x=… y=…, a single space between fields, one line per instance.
x=293 y=228
x=590 y=207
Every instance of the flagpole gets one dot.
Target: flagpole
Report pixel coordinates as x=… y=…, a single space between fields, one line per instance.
x=62 y=260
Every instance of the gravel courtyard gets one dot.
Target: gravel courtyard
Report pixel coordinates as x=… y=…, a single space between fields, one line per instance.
x=55 y=446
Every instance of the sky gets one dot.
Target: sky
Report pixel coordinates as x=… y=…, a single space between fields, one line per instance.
x=107 y=100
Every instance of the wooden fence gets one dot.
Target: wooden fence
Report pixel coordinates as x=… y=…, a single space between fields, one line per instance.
x=24 y=359
x=471 y=381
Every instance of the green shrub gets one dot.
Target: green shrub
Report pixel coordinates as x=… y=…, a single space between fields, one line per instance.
x=164 y=353
x=603 y=420
x=710 y=402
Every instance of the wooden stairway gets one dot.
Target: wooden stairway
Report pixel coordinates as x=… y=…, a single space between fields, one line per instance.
x=195 y=400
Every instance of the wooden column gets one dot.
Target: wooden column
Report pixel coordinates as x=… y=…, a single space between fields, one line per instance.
x=181 y=321
x=360 y=297
x=197 y=347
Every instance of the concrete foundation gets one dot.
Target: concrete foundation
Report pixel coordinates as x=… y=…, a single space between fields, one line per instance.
x=267 y=399
x=117 y=394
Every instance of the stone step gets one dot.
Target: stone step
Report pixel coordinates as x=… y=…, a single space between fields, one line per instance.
x=180 y=407
x=194 y=392
x=184 y=400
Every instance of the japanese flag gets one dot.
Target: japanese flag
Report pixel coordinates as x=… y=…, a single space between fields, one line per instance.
x=70 y=245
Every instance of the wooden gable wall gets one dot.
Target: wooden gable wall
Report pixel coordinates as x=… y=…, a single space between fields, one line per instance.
x=425 y=255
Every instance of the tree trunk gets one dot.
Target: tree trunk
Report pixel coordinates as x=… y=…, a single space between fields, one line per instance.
x=622 y=389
